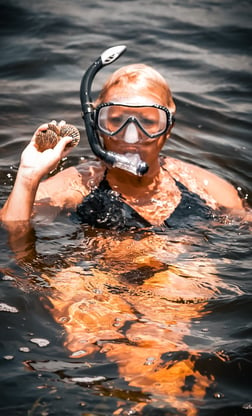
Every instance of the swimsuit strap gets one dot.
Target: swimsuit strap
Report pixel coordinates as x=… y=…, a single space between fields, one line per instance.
x=191 y=205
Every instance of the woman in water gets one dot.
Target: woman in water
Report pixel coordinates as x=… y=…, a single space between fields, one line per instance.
x=135 y=113
x=140 y=325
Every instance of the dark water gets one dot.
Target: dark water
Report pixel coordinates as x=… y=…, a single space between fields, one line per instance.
x=203 y=48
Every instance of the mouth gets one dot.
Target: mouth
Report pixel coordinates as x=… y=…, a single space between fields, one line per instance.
x=133 y=157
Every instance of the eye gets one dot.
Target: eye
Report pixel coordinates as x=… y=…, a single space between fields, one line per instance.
x=115 y=120
x=148 y=122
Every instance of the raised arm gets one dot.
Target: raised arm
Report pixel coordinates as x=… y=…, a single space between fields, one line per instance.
x=34 y=165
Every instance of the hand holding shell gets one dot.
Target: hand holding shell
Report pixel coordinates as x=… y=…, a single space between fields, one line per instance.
x=47 y=139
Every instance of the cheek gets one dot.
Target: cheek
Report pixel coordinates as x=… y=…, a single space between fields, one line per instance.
x=109 y=143
x=150 y=151
x=158 y=144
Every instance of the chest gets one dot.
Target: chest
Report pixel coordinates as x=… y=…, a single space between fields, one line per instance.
x=171 y=201
x=156 y=208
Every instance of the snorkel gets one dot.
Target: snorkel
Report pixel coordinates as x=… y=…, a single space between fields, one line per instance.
x=130 y=163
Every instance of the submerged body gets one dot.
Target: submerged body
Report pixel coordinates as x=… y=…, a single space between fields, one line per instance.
x=139 y=304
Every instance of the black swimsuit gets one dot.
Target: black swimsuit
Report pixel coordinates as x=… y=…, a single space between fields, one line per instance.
x=105 y=208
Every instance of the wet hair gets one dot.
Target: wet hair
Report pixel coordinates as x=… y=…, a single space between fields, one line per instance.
x=141 y=76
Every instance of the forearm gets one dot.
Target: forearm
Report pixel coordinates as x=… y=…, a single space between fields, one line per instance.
x=19 y=205
x=34 y=165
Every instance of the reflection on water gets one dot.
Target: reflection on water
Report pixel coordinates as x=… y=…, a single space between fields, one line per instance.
x=138 y=315
x=128 y=323
x=137 y=300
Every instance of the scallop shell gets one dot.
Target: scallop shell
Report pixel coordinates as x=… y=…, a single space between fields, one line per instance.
x=47 y=139
x=70 y=130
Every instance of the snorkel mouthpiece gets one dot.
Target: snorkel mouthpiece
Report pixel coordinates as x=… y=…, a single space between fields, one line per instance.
x=130 y=162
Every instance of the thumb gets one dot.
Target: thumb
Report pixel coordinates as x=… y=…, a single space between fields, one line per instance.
x=63 y=146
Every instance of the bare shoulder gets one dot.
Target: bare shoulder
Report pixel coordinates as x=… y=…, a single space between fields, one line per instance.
x=67 y=188
x=215 y=190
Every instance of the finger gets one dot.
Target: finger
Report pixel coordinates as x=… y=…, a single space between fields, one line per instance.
x=42 y=127
x=62 y=123
x=61 y=145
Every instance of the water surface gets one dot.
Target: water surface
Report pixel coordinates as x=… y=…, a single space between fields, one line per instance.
x=200 y=327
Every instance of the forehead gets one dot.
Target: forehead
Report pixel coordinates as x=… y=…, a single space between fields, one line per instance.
x=133 y=96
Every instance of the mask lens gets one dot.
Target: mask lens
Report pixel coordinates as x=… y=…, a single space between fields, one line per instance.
x=152 y=120
x=111 y=118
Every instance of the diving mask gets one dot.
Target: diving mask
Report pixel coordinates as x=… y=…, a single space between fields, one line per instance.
x=153 y=120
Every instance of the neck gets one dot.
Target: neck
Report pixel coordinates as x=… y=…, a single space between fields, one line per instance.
x=131 y=185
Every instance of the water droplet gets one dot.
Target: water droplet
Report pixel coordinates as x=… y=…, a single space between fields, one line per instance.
x=91 y=184
x=63 y=319
x=41 y=342
x=97 y=291
x=88 y=379
x=247 y=406
x=8 y=357
x=6 y=277
x=7 y=308
x=144 y=320
x=53 y=390
x=78 y=354
x=132 y=412
x=205 y=330
x=149 y=361
x=24 y=349
x=218 y=395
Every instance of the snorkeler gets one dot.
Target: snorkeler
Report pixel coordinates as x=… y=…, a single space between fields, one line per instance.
x=130 y=184
x=140 y=325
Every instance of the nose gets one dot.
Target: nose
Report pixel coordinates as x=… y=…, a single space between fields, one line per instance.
x=131 y=135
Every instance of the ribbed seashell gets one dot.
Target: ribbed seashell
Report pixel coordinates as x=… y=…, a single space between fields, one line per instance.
x=70 y=130
x=47 y=139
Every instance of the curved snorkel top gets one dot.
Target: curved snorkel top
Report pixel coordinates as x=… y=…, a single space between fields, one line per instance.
x=131 y=164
